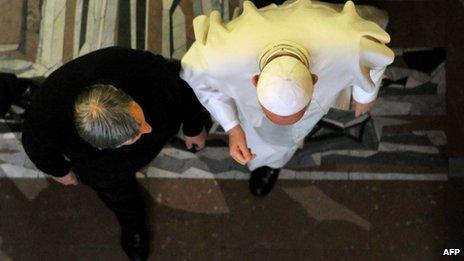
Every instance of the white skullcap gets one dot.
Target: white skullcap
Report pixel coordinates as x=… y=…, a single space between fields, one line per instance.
x=285 y=86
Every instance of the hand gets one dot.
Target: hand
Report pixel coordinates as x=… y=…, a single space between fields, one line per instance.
x=361 y=108
x=69 y=179
x=238 y=148
x=198 y=141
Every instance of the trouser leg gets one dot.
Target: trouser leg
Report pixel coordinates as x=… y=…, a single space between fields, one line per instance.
x=126 y=202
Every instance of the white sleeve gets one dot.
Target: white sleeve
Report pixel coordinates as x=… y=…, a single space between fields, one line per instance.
x=221 y=107
x=374 y=56
x=198 y=71
x=195 y=72
x=362 y=96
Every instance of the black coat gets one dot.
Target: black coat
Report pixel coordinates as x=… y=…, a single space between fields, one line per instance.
x=49 y=134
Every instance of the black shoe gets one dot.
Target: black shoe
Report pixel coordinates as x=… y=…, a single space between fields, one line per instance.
x=135 y=245
x=262 y=180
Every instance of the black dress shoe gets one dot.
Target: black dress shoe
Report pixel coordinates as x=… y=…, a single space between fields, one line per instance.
x=262 y=180
x=135 y=245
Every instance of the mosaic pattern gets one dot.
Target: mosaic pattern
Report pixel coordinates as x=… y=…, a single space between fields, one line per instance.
x=404 y=139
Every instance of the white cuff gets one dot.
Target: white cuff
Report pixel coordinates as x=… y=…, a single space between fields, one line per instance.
x=362 y=96
x=230 y=125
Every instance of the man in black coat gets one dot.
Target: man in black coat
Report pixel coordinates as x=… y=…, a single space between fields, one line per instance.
x=102 y=117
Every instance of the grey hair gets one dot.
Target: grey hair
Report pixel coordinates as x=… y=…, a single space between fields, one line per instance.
x=102 y=118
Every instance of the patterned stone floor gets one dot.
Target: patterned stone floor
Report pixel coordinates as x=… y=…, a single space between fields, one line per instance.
x=404 y=139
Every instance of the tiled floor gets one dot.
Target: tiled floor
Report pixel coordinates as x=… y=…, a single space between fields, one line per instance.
x=404 y=139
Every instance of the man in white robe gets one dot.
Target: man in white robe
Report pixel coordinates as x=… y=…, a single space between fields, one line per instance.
x=338 y=48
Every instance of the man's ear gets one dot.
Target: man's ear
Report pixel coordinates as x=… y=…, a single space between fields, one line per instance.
x=314 y=78
x=254 y=80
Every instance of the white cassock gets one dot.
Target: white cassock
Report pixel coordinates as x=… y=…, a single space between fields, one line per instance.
x=345 y=51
